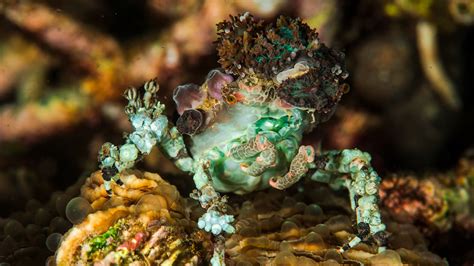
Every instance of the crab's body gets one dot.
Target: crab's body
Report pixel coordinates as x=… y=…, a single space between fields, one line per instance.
x=245 y=124
x=237 y=124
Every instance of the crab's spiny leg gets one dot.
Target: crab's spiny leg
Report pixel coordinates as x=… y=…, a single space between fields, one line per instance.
x=298 y=168
x=363 y=186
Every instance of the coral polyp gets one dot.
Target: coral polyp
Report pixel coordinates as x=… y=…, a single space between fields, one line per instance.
x=245 y=125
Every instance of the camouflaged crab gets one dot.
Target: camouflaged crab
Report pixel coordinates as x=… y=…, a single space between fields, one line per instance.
x=245 y=124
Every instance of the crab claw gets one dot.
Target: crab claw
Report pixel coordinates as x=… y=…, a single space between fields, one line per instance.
x=273 y=182
x=298 y=168
x=284 y=182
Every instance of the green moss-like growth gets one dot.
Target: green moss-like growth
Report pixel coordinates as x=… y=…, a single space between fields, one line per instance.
x=107 y=241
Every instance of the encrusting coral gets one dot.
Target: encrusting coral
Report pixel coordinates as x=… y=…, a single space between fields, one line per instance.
x=144 y=221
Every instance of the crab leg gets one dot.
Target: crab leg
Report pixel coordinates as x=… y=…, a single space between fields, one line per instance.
x=298 y=168
x=363 y=186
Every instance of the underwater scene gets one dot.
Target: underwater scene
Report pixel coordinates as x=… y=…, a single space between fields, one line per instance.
x=236 y=132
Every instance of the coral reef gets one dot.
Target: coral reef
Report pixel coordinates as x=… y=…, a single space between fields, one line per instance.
x=272 y=227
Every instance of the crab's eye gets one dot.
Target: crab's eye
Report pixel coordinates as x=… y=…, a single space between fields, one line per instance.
x=231 y=99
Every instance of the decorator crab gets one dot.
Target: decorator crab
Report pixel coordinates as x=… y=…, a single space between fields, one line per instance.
x=245 y=124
